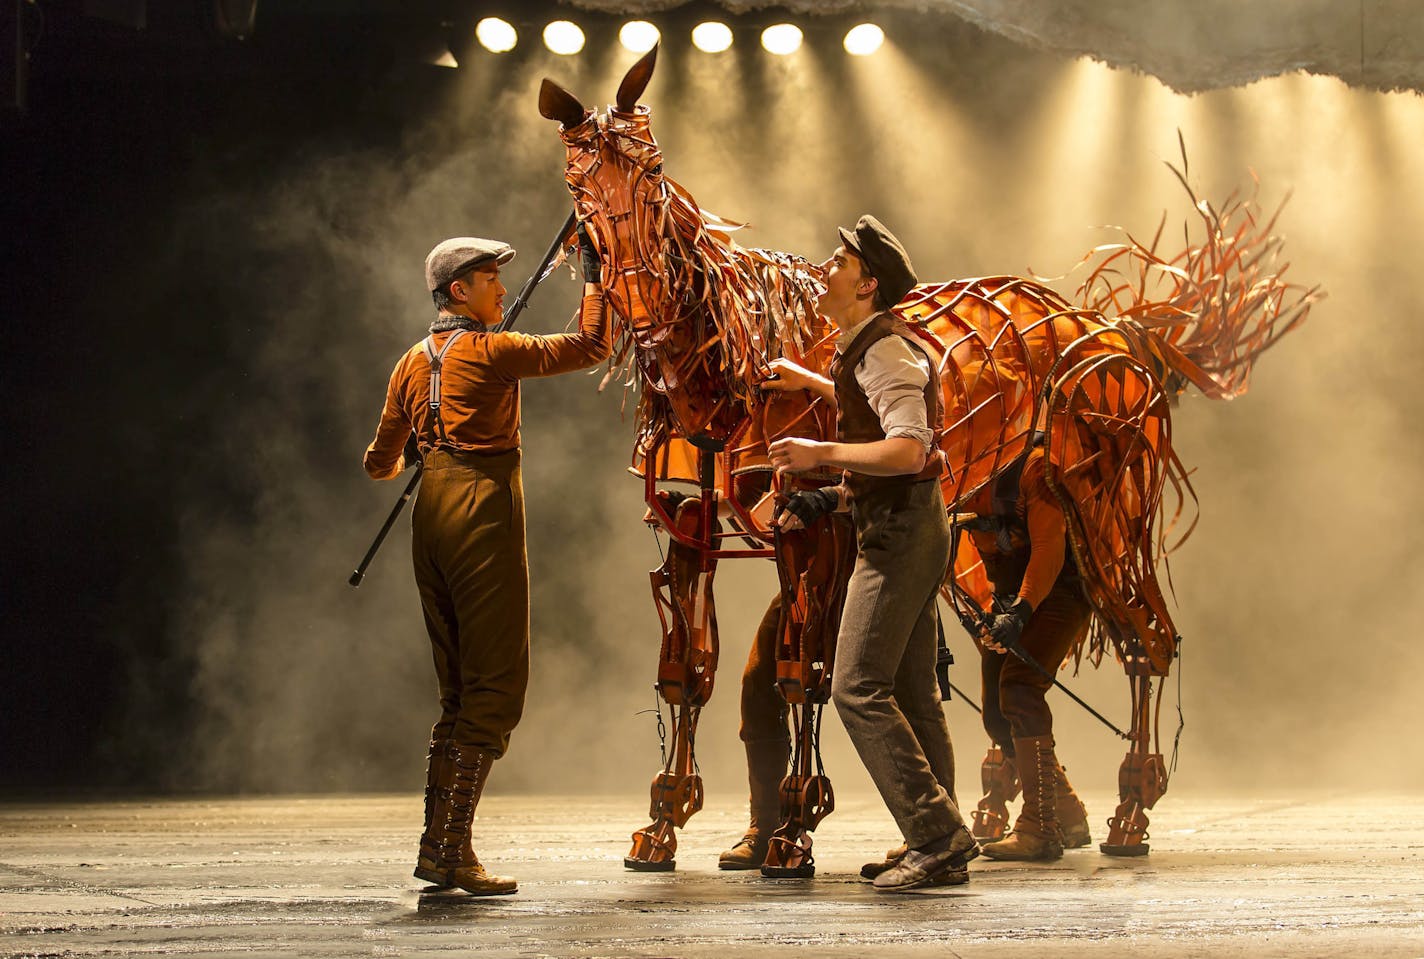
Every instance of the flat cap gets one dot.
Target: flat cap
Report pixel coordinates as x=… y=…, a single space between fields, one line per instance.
x=884 y=257
x=458 y=255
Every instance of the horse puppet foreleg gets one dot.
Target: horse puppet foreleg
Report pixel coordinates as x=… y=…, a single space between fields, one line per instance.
x=814 y=567
x=687 y=666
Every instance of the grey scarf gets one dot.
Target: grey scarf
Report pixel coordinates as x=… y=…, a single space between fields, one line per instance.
x=445 y=322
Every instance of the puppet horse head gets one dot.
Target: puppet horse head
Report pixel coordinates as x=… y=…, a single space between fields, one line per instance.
x=615 y=173
x=659 y=261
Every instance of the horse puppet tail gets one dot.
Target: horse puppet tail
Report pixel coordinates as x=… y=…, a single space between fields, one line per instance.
x=1204 y=315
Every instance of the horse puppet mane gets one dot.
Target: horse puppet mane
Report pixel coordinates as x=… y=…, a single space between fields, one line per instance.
x=726 y=313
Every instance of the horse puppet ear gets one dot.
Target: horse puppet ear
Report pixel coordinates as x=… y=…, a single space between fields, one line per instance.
x=556 y=103
x=635 y=81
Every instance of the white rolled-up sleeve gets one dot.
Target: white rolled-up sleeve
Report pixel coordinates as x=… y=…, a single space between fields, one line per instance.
x=893 y=375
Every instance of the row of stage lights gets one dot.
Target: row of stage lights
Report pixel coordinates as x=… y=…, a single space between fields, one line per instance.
x=566 y=38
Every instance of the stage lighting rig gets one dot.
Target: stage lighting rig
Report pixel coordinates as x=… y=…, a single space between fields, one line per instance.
x=496 y=35
x=864 y=39
x=638 y=36
x=564 y=37
x=712 y=36
x=781 y=39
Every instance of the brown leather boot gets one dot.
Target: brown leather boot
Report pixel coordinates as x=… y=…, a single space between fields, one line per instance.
x=892 y=859
x=428 y=865
x=766 y=766
x=1072 y=814
x=950 y=877
x=1036 y=837
x=469 y=772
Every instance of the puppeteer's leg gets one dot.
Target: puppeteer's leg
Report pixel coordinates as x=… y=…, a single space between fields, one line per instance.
x=1056 y=625
x=763 y=733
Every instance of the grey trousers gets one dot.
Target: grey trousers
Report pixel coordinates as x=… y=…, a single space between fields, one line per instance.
x=884 y=683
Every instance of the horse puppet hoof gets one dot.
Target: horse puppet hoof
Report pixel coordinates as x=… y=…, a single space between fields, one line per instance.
x=804 y=871
x=643 y=865
x=1136 y=849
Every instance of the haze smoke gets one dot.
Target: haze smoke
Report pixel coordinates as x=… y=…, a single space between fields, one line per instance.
x=1295 y=596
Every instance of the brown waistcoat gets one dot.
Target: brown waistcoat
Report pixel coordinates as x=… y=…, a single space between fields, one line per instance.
x=856 y=420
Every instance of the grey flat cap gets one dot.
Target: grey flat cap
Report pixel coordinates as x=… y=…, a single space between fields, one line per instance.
x=884 y=257
x=458 y=255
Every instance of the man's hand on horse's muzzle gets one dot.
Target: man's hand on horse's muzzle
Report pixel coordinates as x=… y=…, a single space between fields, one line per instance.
x=1006 y=627
x=809 y=505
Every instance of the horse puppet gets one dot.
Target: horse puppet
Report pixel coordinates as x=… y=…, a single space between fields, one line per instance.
x=698 y=320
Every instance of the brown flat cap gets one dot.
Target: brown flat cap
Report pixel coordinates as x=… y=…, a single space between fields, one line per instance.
x=453 y=258
x=884 y=257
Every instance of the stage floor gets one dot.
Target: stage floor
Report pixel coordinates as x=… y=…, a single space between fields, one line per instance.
x=330 y=876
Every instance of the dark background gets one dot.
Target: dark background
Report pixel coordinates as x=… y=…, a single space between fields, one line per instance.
x=211 y=259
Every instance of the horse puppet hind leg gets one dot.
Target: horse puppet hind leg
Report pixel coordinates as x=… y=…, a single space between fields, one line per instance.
x=1142 y=777
x=1109 y=433
x=814 y=566
x=687 y=666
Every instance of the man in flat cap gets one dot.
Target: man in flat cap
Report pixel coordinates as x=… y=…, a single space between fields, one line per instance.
x=886 y=392
x=453 y=401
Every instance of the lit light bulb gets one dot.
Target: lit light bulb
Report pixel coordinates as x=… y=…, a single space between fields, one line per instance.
x=638 y=36
x=864 y=39
x=712 y=37
x=781 y=38
x=563 y=37
x=496 y=35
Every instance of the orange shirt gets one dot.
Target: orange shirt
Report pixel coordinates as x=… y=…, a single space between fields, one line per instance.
x=1038 y=508
x=479 y=387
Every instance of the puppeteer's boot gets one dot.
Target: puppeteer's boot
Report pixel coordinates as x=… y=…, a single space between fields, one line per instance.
x=892 y=858
x=1072 y=814
x=1036 y=836
x=766 y=766
x=469 y=771
x=950 y=877
x=438 y=767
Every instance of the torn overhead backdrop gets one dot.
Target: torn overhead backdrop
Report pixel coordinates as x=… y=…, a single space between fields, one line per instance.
x=1190 y=45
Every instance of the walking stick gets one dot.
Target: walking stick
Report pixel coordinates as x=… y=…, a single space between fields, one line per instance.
x=510 y=316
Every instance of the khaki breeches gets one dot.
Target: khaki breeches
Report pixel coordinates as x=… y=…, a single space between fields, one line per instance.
x=763 y=707
x=472 y=569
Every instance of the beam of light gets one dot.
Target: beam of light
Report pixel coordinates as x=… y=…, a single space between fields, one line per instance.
x=781 y=38
x=712 y=37
x=943 y=191
x=864 y=39
x=446 y=59
x=496 y=35
x=563 y=37
x=638 y=36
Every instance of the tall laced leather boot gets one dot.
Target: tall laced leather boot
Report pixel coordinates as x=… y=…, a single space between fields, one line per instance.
x=766 y=766
x=1072 y=814
x=1036 y=836
x=468 y=773
x=438 y=768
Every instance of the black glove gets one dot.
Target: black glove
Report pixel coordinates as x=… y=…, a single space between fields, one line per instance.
x=810 y=505
x=411 y=453
x=592 y=264
x=1006 y=627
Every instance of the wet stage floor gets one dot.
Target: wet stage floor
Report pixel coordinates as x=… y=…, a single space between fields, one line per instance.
x=330 y=876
